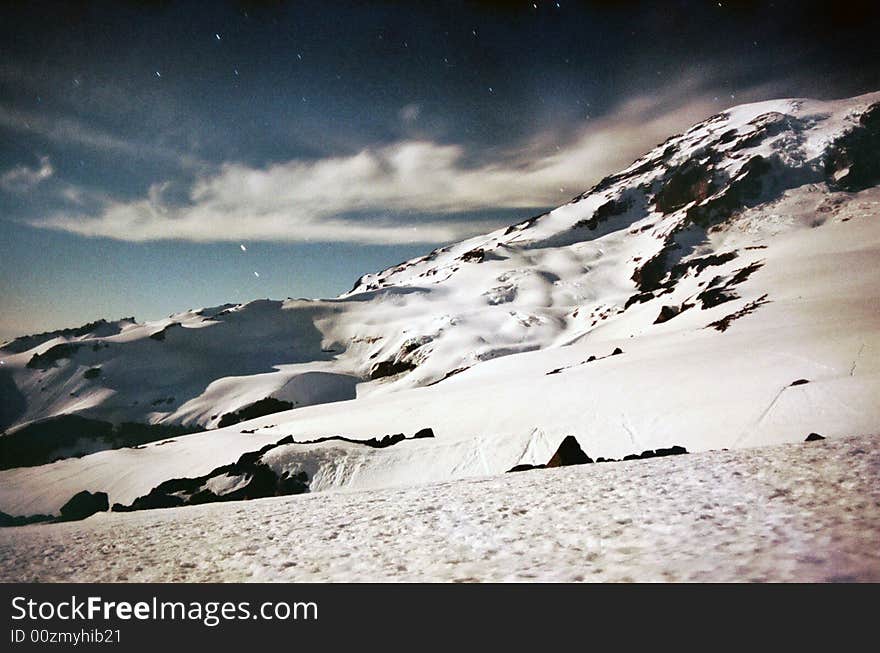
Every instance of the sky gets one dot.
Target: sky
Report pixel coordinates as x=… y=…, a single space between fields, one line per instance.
x=157 y=156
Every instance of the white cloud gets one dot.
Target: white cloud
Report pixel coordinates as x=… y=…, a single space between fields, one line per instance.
x=315 y=200
x=23 y=178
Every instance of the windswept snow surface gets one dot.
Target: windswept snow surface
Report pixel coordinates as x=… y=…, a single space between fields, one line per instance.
x=796 y=512
x=727 y=264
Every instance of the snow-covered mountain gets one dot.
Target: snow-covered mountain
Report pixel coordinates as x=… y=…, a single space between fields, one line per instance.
x=733 y=268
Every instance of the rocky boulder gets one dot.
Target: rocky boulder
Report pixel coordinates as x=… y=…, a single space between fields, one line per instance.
x=84 y=504
x=569 y=453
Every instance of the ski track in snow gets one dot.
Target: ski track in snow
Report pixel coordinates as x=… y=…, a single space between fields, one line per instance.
x=852 y=370
x=796 y=512
x=762 y=416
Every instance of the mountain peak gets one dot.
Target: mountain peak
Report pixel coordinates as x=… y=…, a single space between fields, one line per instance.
x=744 y=156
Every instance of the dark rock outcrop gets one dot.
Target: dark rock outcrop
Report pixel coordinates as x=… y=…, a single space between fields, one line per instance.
x=385 y=441
x=84 y=504
x=652 y=272
x=655 y=274
x=667 y=313
x=606 y=211
x=92 y=373
x=375 y=443
x=450 y=373
x=390 y=368
x=853 y=162
x=52 y=355
x=255 y=480
x=592 y=358
x=744 y=190
x=249 y=477
x=639 y=298
x=697 y=265
x=525 y=224
x=724 y=323
x=721 y=290
x=260 y=408
x=674 y=450
x=813 y=437
x=524 y=468
x=689 y=182
x=152 y=501
x=477 y=255
x=23 y=520
x=569 y=453
x=715 y=296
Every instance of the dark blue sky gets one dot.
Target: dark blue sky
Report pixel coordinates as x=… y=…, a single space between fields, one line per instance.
x=143 y=143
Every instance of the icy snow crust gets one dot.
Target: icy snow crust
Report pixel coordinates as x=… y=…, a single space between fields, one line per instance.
x=797 y=512
x=489 y=339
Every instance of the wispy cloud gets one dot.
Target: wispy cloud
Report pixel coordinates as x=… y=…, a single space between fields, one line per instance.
x=410 y=113
x=315 y=200
x=22 y=178
x=68 y=131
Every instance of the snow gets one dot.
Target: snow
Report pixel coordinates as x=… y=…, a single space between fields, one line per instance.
x=799 y=512
x=502 y=311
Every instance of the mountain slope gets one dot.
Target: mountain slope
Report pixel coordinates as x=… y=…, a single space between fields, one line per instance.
x=802 y=512
x=734 y=265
